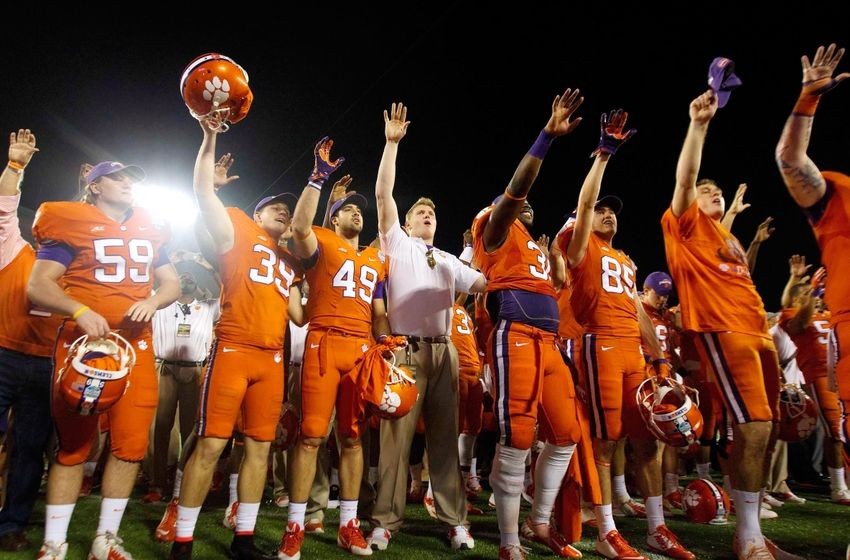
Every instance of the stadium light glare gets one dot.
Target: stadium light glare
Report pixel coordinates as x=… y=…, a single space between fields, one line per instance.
x=173 y=205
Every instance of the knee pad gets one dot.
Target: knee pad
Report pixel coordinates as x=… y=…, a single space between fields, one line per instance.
x=508 y=471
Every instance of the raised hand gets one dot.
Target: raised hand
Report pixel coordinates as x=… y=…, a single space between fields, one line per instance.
x=819 y=278
x=396 y=123
x=764 y=231
x=817 y=75
x=222 y=166
x=797 y=266
x=563 y=108
x=703 y=108
x=543 y=243
x=738 y=205
x=323 y=166
x=467 y=237
x=612 y=135
x=340 y=189
x=21 y=147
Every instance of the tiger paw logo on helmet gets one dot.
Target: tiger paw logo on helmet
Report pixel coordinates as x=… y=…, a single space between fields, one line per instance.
x=798 y=415
x=706 y=502
x=95 y=374
x=400 y=393
x=214 y=87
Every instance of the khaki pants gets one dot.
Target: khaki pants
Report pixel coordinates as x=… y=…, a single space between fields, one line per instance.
x=177 y=385
x=778 y=469
x=436 y=366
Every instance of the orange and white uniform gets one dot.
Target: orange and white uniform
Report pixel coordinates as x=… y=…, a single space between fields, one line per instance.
x=720 y=303
x=245 y=371
x=612 y=364
x=812 y=345
x=529 y=372
x=109 y=267
x=343 y=282
x=470 y=389
x=829 y=221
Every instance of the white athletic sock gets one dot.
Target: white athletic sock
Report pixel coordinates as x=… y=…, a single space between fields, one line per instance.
x=506 y=479
x=347 y=511
x=704 y=471
x=604 y=520
x=186 y=519
x=56 y=521
x=671 y=483
x=297 y=512
x=747 y=506
x=654 y=513
x=178 y=480
x=836 y=479
x=111 y=512
x=549 y=473
x=246 y=518
x=621 y=494
x=465 y=445
x=233 y=488
x=473 y=467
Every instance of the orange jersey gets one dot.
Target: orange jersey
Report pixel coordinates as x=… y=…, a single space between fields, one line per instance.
x=832 y=231
x=569 y=328
x=664 y=331
x=712 y=277
x=603 y=283
x=342 y=284
x=111 y=263
x=255 y=282
x=811 y=343
x=519 y=264
x=22 y=328
x=483 y=323
x=463 y=339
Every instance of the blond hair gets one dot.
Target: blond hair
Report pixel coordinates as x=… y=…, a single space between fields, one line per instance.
x=423 y=201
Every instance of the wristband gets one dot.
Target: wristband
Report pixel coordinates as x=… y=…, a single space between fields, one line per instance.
x=806 y=105
x=80 y=311
x=383 y=338
x=315 y=184
x=541 y=145
x=509 y=196
x=15 y=167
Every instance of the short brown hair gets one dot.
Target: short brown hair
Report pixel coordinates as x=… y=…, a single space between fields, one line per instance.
x=423 y=201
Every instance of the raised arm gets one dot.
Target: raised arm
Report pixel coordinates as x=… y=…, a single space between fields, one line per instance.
x=738 y=205
x=338 y=192
x=702 y=110
x=212 y=210
x=509 y=206
x=801 y=175
x=799 y=322
x=21 y=149
x=763 y=233
x=797 y=273
x=395 y=127
x=612 y=136
x=304 y=240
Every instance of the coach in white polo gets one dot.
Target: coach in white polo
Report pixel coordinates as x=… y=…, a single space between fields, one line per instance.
x=423 y=282
x=182 y=333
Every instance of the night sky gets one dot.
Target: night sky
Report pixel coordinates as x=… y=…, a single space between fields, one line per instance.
x=479 y=85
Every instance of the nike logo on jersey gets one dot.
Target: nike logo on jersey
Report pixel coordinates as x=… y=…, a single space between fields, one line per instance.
x=229 y=350
x=262 y=238
x=606 y=348
x=604 y=248
x=342 y=249
x=521 y=344
x=313 y=345
x=95 y=229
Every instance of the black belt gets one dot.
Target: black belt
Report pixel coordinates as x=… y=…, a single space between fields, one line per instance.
x=181 y=363
x=428 y=339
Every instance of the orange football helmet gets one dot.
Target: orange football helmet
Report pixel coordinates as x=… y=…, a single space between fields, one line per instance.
x=798 y=415
x=214 y=86
x=706 y=502
x=95 y=374
x=288 y=428
x=400 y=392
x=669 y=411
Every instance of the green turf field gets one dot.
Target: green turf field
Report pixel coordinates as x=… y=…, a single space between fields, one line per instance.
x=816 y=530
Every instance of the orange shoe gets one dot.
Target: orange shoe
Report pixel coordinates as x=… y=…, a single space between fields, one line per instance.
x=430 y=507
x=512 y=552
x=663 y=541
x=778 y=553
x=629 y=508
x=350 y=538
x=153 y=496
x=615 y=547
x=751 y=550
x=554 y=540
x=167 y=528
x=673 y=500
x=290 y=543
x=229 y=521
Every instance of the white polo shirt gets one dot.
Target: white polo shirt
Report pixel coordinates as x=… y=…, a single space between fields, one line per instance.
x=419 y=297
x=786 y=351
x=297 y=337
x=185 y=337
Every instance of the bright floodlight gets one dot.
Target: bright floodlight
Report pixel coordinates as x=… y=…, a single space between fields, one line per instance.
x=175 y=206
